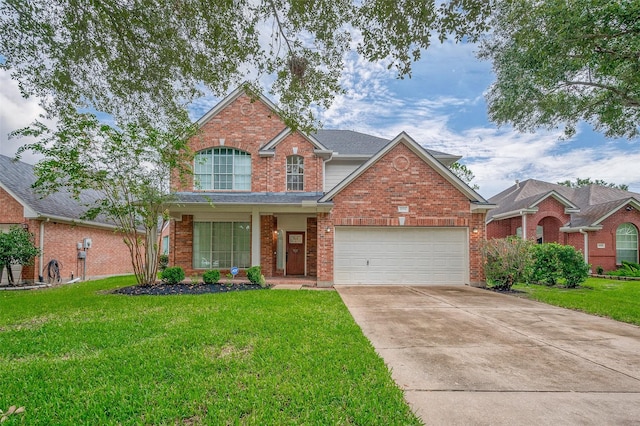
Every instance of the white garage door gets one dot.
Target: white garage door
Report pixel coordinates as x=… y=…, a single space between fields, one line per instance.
x=415 y=256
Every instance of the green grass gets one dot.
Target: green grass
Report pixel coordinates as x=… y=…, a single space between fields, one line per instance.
x=78 y=355
x=615 y=299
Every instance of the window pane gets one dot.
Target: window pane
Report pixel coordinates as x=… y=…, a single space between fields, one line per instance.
x=242 y=244
x=295 y=173
x=201 y=245
x=221 y=247
x=626 y=243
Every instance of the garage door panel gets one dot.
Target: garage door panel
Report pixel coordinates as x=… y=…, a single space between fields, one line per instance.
x=404 y=256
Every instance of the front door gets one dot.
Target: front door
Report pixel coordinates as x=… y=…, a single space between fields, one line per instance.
x=295 y=253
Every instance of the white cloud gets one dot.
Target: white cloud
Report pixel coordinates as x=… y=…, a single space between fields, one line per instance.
x=15 y=112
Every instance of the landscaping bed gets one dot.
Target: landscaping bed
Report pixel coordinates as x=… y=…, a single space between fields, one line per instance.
x=182 y=288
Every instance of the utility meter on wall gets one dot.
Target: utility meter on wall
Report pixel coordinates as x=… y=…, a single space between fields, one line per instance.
x=87 y=243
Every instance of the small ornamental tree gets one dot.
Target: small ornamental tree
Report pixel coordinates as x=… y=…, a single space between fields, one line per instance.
x=127 y=169
x=16 y=248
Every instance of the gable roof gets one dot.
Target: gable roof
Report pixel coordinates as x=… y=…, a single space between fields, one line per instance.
x=348 y=143
x=427 y=157
x=587 y=206
x=17 y=178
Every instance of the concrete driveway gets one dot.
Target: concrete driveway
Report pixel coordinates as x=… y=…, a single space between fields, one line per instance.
x=467 y=356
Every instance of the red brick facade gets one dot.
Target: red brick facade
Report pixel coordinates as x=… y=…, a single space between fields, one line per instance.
x=399 y=178
x=107 y=256
x=551 y=216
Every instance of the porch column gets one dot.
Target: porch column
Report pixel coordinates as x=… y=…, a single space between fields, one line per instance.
x=255 y=237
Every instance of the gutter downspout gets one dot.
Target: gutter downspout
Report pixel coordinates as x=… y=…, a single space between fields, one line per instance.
x=41 y=265
x=524 y=225
x=586 y=245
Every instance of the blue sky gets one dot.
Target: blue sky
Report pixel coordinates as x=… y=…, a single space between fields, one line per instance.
x=443 y=108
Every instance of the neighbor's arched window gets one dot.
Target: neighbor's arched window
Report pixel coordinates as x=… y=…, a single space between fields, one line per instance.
x=626 y=243
x=295 y=173
x=222 y=168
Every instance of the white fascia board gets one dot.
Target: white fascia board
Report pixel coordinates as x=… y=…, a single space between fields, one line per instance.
x=572 y=229
x=632 y=201
x=566 y=202
x=76 y=222
x=244 y=88
x=514 y=213
x=286 y=132
x=482 y=208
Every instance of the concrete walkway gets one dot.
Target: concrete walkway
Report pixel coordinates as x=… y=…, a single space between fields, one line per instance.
x=466 y=356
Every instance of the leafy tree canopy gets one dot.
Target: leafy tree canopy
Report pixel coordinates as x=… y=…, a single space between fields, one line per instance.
x=558 y=62
x=579 y=183
x=137 y=59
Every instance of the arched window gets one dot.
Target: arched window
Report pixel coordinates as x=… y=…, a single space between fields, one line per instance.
x=626 y=243
x=222 y=168
x=295 y=173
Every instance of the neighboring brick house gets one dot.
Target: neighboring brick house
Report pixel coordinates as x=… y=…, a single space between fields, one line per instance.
x=338 y=207
x=606 y=220
x=57 y=228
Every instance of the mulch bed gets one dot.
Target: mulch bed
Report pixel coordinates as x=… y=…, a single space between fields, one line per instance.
x=168 y=289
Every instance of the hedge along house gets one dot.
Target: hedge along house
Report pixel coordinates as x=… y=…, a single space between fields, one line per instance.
x=602 y=222
x=338 y=207
x=88 y=249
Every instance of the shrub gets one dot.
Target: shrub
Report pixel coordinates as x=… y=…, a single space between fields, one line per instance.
x=574 y=270
x=506 y=261
x=545 y=267
x=172 y=275
x=163 y=262
x=253 y=274
x=553 y=263
x=627 y=269
x=211 y=277
x=599 y=270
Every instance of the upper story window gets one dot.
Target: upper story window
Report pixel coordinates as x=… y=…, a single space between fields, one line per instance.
x=295 y=173
x=223 y=168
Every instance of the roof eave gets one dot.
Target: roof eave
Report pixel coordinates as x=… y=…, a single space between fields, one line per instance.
x=571 y=229
x=514 y=213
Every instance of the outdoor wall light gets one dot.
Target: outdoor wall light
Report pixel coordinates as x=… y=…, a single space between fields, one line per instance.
x=475 y=230
x=328 y=229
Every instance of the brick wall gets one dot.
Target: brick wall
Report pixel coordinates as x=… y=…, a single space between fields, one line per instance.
x=268 y=243
x=606 y=257
x=248 y=126
x=108 y=255
x=181 y=244
x=401 y=178
x=312 y=246
x=11 y=211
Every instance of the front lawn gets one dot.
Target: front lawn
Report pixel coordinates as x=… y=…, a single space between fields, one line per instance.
x=615 y=299
x=78 y=355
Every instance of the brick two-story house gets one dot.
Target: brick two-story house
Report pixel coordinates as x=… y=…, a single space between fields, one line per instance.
x=339 y=207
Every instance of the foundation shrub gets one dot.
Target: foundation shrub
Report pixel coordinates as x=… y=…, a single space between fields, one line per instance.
x=211 y=277
x=172 y=275
x=254 y=274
